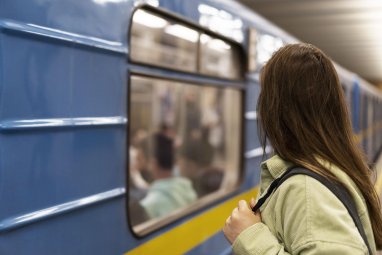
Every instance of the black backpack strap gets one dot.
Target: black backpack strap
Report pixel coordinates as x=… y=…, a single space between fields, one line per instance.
x=339 y=191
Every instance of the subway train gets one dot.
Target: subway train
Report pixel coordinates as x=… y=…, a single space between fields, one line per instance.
x=129 y=127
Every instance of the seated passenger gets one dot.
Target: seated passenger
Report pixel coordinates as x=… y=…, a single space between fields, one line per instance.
x=208 y=181
x=196 y=155
x=167 y=193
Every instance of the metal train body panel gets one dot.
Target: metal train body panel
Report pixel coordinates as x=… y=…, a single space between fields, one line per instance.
x=64 y=84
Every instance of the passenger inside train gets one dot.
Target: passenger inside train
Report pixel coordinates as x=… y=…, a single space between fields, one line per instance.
x=178 y=137
x=167 y=192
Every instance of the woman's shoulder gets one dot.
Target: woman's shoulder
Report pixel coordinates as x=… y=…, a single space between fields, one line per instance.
x=308 y=209
x=311 y=190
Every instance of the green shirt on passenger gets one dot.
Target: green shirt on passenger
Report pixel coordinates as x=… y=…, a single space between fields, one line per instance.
x=167 y=195
x=304 y=217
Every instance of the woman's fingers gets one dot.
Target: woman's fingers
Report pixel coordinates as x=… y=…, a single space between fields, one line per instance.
x=240 y=219
x=243 y=205
x=252 y=202
x=228 y=220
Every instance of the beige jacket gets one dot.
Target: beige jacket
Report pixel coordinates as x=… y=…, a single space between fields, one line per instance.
x=303 y=217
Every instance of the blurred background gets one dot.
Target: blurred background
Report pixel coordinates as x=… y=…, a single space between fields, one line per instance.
x=347 y=30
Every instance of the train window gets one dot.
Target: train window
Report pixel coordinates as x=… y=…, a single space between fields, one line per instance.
x=166 y=42
x=252 y=55
x=156 y=40
x=219 y=58
x=360 y=112
x=266 y=46
x=184 y=148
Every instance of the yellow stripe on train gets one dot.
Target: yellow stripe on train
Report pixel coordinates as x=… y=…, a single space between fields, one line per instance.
x=190 y=234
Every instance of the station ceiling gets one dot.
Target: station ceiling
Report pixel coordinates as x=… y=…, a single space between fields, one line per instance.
x=350 y=31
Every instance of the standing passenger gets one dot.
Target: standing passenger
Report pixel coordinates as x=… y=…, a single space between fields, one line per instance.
x=303 y=113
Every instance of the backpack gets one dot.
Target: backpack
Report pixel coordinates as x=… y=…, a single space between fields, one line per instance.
x=339 y=191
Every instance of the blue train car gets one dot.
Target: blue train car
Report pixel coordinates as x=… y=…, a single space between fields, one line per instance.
x=108 y=106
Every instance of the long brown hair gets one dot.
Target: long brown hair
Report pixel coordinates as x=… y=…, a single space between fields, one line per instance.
x=302 y=111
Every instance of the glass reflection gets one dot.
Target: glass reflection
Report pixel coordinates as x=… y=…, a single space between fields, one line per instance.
x=161 y=42
x=219 y=58
x=266 y=46
x=185 y=142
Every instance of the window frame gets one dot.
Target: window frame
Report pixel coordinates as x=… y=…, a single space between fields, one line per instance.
x=156 y=64
x=153 y=225
x=198 y=28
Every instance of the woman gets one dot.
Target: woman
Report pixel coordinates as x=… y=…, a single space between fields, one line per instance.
x=303 y=114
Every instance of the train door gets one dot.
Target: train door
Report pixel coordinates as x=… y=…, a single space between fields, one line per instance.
x=186 y=102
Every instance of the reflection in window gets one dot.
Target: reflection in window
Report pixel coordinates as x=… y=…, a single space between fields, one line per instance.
x=159 y=41
x=219 y=58
x=266 y=45
x=252 y=52
x=184 y=145
x=163 y=41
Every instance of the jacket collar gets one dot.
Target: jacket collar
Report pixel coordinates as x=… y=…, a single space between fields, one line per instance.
x=276 y=166
x=271 y=169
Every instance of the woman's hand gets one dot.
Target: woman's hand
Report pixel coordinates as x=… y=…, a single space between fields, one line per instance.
x=241 y=218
